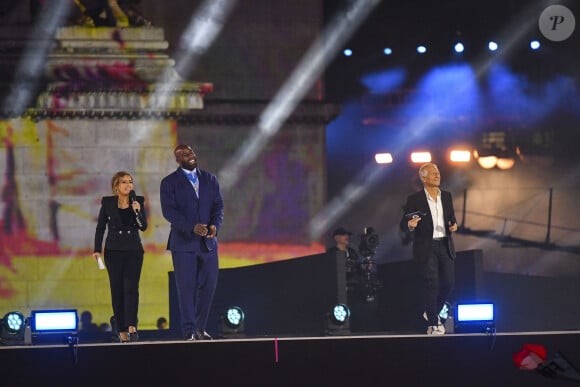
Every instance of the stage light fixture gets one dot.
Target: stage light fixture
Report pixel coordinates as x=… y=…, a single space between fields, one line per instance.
x=421 y=49
x=460 y=155
x=340 y=313
x=497 y=149
x=487 y=162
x=492 y=46
x=476 y=317
x=504 y=163
x=347 y=52
x=534 y=44
x=459 y=47
x=54 y=321
x=388 y=51
x=232 y=322
x=384 y=158
x=421 y=157
x=12 y=328
x=235 y=317
x=338 y=320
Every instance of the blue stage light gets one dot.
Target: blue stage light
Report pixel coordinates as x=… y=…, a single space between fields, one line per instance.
x=388 y=51
x=338 y=320
x=235 y=316
x=534 y=45
x=421 y=49
x=476 y=317
x=14 y=321
x=347 y=52
x=340 y=313
x=232 y=323
x=459 y=48
x=54 y=321
x=12 y=328
x=492 y=46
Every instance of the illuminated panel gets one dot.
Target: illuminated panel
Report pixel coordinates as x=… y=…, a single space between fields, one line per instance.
x=383 y=158
x=460 y=156
x=421 y=157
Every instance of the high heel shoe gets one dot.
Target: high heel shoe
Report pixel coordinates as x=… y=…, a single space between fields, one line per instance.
x=124 y=337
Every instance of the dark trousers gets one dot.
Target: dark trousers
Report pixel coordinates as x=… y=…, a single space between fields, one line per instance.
x=124 y=268
x=438 y=279
x=196 y=275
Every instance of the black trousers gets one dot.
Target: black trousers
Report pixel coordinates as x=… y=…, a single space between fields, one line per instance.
x=124 y=268
x=438 y=279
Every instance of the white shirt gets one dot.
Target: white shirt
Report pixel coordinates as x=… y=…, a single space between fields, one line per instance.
x=436 y=207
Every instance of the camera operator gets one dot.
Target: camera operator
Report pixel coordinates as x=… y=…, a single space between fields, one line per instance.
x=352 y=260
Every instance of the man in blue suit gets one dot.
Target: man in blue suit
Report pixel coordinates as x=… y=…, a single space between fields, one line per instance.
x=191 y=201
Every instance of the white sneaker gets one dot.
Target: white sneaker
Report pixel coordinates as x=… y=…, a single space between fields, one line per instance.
x=444 y=313
x=427 y=319
x=436 y=330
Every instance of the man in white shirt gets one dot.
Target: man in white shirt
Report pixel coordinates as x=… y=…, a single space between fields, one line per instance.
x=430 y=217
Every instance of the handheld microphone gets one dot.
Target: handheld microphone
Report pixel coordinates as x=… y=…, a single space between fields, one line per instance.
x=133 y=198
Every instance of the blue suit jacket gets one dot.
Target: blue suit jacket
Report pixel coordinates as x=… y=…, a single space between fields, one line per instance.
x=182 y=208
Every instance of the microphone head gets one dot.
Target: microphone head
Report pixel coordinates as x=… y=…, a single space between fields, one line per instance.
x=132 y=195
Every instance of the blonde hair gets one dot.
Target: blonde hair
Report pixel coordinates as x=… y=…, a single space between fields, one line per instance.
x=116 y=179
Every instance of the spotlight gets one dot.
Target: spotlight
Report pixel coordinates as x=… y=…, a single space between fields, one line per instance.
x=347 y=52
x=388 y=51
x=338 y=320
x=460 y=156
x=421 y=157
x=497 y=149
x=474 y=318
x=421 y=49
x=487 y=162
x=458 y=47
x=534 y=44
x=383 y=158
x=492 y=46
x=232 y=322
x=12 y=328
x=54 y=325
x=504 y=163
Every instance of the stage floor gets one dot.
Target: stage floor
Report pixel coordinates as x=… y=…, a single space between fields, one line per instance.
x=377 y=360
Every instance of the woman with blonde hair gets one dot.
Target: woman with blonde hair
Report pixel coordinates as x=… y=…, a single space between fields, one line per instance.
x=123 y=215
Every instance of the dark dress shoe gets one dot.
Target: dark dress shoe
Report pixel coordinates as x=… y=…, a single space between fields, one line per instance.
x=133 y=337
x=202 y=335
x=124 y=337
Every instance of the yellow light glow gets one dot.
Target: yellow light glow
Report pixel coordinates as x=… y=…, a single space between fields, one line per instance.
x=421 y=157
x=505 y=163
x=487 y=162
x=383 y=158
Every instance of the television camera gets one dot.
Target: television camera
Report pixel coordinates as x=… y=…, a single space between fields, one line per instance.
x=369 y=241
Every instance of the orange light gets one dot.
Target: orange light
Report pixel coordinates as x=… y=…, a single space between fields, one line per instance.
x=383 y=158
x=460 y=156
x=421 y=157
x=505 y=163
x=487 y=162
